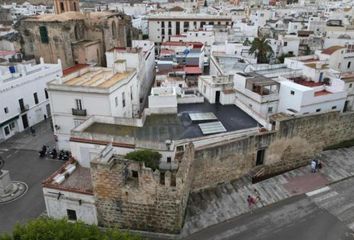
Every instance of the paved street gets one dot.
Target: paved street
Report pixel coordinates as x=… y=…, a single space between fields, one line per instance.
x=323 y=216
x=229 y=200
x=21 y=158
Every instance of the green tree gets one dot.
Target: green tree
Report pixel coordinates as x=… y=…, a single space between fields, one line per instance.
x=282 y=57
x=51 y=229
x=149 y=157
x=261 y=48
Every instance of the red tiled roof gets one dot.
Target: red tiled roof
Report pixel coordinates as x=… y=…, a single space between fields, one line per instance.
x=74 y=68
x=192 y=70
x=166 y=52
x=331 y=50
x=177 y=43
x=303 y=82
x=321 y=93
x=5 y=53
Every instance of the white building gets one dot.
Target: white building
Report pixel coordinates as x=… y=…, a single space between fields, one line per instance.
x=217 y=89
x=23 y=96
x=162 y=26
x=301 y=97
x=92 y=91
x=69 y=194
x=257 y=95
x=141 y=57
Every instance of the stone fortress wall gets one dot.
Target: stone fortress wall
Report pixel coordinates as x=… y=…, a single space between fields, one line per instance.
x=129 y=195
x=155 y=202
x=294 y=141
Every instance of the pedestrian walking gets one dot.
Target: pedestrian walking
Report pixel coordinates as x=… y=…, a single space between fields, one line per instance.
x=33 y=132
x=313 y=166
x=319 y=164
x=251 y=201
x=258 y=196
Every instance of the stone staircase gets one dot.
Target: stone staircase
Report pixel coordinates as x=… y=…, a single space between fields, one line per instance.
x=228 y=200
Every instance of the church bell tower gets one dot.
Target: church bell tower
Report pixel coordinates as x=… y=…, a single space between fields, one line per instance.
x=62 y=6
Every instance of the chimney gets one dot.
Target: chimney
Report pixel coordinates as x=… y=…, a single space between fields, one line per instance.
x=318 y=65
x=120 y=66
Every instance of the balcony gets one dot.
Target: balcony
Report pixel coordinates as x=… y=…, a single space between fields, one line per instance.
x=24 y=108
x=79 y=112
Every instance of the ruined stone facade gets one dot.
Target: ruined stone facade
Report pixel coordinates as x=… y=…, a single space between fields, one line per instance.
x=128 y=195
x=75 y=37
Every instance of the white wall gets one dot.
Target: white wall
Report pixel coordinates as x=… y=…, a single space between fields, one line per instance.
x=33 y=80
x=57 y=208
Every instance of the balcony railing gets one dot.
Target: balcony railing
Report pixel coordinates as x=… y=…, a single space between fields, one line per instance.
x=24 y=108
x=79 y=112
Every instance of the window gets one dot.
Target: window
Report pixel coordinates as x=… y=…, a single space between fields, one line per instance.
x=162 y=178
x=334 y=107
x=162 y=24
x=292 y=92
x=318 y=110
x=270 y=109
x=61 y=6
x=185 y=26
x=44 y=34
x=131 y=93
x=350 y=85
x=12 y=125
x=349 y=63
x=135 y=174
x=114 y=30
x=6 y=110
x=78 y=104
x=35 y=96
x=169 y=24
x=7 y=130
x=169 y=31
x=123 y=99
x=168 y=159
x=163 y=31
x=46 y=94
x=71 y=214
x=285 y=44
x=260 y=157
x=116 y=101
x=178 y=28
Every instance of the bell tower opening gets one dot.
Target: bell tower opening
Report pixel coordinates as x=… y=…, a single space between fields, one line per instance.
x=62 y=6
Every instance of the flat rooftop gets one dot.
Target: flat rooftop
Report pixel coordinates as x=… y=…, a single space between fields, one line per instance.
x=159 y=128
x=97 y=77
x=231 y=64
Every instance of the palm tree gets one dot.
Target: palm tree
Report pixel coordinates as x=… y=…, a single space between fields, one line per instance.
x=261 y=48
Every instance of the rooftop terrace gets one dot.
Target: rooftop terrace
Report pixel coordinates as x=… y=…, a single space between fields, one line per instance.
x=97 y=77
x=159 y=128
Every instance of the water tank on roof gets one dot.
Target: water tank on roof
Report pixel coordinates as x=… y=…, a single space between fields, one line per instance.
x=12 y=69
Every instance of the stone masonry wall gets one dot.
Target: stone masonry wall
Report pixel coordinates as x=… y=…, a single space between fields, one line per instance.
x=292 y=144
x=142 y=203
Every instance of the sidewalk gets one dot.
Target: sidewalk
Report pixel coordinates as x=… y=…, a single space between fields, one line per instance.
x=229 y=200
x=24 y=140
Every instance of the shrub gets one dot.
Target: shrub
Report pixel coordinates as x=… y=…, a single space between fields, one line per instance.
x=149 y=157
x=51 y=229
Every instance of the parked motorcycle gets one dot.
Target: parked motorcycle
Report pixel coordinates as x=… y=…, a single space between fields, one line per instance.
x=43 y=151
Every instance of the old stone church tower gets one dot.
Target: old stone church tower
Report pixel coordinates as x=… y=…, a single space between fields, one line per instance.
x=73 y=36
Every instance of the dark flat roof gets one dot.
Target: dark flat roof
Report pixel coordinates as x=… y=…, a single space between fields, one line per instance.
x=164 y=127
